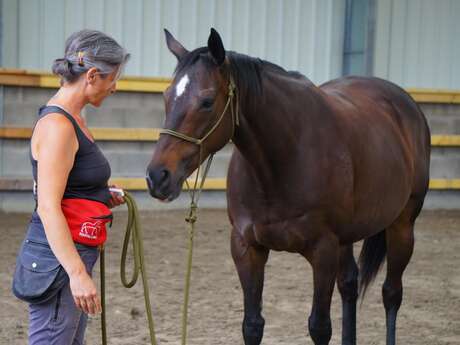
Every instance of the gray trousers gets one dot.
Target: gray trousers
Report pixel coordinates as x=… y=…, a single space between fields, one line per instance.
x=59 y=321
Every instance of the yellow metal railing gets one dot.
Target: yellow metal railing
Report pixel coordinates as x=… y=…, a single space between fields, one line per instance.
x=21 y=77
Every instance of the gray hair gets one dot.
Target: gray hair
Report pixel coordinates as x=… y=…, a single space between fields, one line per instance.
x=86 y=49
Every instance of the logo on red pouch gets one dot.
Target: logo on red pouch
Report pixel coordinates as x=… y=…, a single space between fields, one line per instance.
x=91 y=230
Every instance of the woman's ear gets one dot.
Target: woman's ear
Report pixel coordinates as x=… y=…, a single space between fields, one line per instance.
x=91 y=75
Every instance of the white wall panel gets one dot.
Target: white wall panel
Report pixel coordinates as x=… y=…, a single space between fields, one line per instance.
x=306 y=42
x=74 y=18
x=454 y=62
x=133 y=32
x=413 y=27
x=304 y=35
x=10 y=34
x=153 y=41
x=94 y=13
x=337 y=33
x=290 y=34
x=258 y=28
x=53 y=37
x=417 y=43
x=30 y=38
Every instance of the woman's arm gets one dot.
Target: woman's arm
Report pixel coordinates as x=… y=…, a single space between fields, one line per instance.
x=54 y=146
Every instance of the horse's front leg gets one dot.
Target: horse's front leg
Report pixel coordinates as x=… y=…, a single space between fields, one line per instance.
x=324 y=258
x=250 y=264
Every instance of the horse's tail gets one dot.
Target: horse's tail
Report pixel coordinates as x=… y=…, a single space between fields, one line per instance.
x=371 y=258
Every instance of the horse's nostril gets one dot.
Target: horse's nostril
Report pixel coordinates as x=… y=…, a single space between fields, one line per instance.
x=164 y=175
x=158 y=178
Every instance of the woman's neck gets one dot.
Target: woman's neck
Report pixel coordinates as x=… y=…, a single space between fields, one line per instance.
x=71 y=99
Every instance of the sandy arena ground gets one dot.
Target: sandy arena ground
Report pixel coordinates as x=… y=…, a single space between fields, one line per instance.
x=430 y=314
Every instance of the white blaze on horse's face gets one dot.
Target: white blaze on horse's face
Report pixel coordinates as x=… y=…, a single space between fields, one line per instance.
x=181 y=85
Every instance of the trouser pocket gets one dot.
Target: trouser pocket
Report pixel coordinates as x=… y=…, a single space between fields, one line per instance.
x=57 y=305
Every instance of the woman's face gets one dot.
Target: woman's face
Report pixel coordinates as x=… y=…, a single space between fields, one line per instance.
x=100 y=85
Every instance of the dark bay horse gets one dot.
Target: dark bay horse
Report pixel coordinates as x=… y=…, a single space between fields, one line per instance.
x=314 y=170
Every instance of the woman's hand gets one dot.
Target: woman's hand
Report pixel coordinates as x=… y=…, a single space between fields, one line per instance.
x=84 y=293
x=117 y=198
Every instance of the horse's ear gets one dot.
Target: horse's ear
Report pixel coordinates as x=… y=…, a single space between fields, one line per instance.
x=174 y=46
x=216 y=47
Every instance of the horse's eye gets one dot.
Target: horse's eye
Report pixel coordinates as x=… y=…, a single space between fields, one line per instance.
x=206 y=104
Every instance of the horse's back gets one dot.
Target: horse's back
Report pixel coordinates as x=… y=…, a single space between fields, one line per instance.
x=384 y=94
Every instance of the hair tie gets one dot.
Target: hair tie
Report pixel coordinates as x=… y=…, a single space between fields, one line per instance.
x=80 y=58
x=69 y=65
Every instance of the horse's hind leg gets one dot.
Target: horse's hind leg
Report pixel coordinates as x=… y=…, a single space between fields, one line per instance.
x=250 y=264
x=400 y=245
x=347 y=282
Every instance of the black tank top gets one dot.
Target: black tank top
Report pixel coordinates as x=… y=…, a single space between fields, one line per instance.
x=90 y=171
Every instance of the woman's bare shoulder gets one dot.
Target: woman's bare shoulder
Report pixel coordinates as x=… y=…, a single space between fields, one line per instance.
x=55 y=129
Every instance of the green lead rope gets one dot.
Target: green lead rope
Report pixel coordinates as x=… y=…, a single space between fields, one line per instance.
x=133 y=231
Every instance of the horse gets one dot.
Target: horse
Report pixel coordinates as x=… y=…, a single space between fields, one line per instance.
x=313 y=170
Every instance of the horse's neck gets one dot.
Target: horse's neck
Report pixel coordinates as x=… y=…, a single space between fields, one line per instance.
x=270 y=130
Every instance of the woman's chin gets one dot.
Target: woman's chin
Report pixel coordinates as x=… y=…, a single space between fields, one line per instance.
x=96 y=104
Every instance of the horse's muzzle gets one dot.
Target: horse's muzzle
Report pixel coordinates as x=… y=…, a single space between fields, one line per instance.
x=160 y=184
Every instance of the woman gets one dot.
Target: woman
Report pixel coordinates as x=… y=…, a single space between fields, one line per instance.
x=71 y=175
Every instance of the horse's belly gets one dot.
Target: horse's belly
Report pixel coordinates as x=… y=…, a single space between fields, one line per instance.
x=376 y=210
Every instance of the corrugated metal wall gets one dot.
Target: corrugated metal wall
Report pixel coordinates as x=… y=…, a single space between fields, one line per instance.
x=418 y=43
x=304 y=35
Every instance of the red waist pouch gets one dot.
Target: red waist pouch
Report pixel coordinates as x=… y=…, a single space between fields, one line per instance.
x=87 y=220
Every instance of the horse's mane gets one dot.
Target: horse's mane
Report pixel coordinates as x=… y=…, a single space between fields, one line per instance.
x=246 y=71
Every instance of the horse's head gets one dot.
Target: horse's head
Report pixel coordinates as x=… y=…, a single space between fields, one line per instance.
x=199 y=117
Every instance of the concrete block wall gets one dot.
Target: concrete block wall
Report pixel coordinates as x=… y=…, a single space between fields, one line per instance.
x=130 y=159
x=445 y=161
x=442 y=118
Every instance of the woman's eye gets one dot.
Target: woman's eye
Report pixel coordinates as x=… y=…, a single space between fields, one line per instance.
x=207 y=103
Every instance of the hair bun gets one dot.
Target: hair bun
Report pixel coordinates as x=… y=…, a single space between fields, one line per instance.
x=63 y=68
x=88 y=49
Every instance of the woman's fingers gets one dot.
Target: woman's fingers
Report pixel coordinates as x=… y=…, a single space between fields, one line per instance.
x=83 y=305
x=97 y=304
x=77 y=302
x=116 y=200
x=85 y=293
x=91 y=306
x=117 y=197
